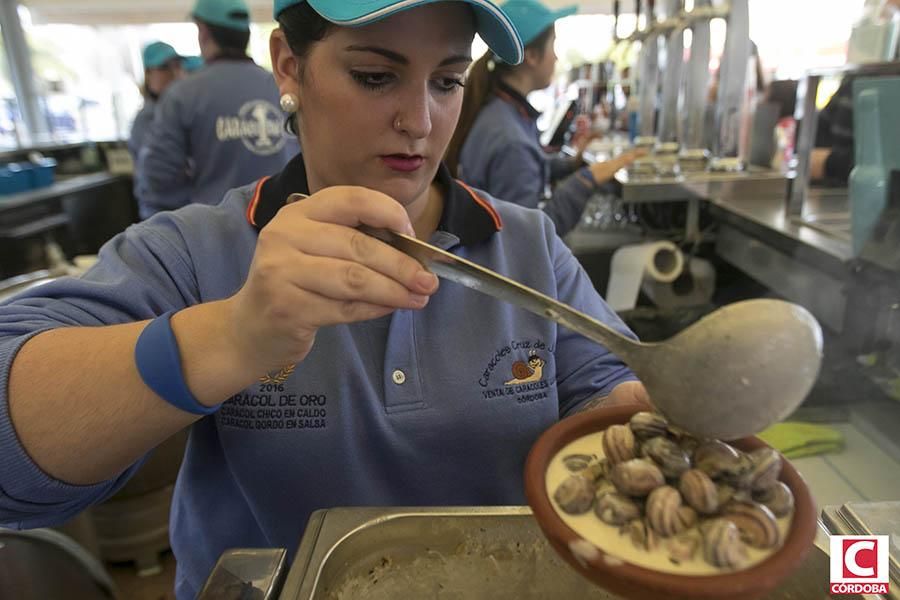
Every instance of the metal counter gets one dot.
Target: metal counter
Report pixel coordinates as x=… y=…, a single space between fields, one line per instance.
x=453 y=552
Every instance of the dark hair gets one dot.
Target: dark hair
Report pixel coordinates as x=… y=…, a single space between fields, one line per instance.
x=232 y=42
x=483 y=77
x=302 y=27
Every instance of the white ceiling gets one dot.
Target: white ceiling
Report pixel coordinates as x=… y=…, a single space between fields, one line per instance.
x=110 y=12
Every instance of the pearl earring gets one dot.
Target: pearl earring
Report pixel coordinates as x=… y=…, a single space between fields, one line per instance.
x=289 y=103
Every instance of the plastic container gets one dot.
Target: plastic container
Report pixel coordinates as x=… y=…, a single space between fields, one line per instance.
x=14 y=179
x=42 y=172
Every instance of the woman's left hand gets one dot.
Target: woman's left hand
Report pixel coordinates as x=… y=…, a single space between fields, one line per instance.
x=630 y=392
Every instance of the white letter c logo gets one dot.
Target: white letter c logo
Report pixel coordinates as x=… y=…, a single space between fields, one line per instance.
x=850 y=558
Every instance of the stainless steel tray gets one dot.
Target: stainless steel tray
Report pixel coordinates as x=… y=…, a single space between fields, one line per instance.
x=351 y=548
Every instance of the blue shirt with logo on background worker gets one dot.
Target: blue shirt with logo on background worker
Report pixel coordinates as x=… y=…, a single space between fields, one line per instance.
x=218 y=129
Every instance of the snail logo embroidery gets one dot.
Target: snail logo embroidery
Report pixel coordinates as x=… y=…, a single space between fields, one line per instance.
x=859 y=564
x=524 y=372
x=258 y=125
x=530 y=364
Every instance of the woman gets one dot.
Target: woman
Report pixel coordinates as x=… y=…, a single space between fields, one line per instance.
x=221 y=127
x=496 y=146
x=317 y=366
x=162 y=67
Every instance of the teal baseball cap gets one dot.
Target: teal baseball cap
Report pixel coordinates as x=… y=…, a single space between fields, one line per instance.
x=157 y=54
x=232 y=14
x=531 y=17
x=492 y=24
x=192 y=63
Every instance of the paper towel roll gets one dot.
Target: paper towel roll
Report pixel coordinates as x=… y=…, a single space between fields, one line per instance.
x=693 y=288
x=658 y=261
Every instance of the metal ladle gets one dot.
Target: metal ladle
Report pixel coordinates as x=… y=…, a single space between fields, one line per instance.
x=732 y=374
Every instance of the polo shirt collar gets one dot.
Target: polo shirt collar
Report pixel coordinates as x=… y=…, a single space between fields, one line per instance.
x=467 y=215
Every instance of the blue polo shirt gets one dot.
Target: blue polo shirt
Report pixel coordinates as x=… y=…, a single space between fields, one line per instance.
x=216 y=130
x=503 y=156
x=438 y=406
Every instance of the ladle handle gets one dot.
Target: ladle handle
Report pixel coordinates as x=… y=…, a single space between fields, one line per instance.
x=473 y=276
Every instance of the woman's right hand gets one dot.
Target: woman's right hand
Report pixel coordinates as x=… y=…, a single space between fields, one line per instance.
x=313 y=268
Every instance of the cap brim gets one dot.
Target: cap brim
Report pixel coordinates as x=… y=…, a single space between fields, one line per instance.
x=160 y=61
x=565 y=12
x=494 y=26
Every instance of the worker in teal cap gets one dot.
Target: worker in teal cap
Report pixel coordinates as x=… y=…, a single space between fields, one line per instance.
x=497 y=147
x=315 y=365
x=219 y=129
x=162 y=67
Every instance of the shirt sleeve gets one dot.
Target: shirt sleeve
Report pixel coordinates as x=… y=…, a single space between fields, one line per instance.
x=569 y=198
x=165 y=164
x=562 y=165
x=140 y=274
x=518 y=175
x=585 y=369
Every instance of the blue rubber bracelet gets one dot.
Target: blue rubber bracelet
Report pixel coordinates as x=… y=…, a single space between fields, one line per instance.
x=159 y=364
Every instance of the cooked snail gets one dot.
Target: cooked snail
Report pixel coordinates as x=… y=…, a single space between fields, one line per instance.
x=636 y=477
x=666 y=514
x=718 y=459
x=646 y=425
x=682 y=548
x=699 y=491
x=575 y=495
x=779 y=499
x=722 y=545
x=766 y=469
x=672 y=460
x=577 y=462
x=616 y=509
x=618 y=444
x=755 y=522
x=642 y=536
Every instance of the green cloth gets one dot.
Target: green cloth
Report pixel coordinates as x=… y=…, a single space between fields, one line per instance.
x=796 y=440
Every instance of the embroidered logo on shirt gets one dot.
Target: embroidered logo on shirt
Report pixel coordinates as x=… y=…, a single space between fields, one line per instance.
x=275 y=404
x=526 y=361
x=258 y=125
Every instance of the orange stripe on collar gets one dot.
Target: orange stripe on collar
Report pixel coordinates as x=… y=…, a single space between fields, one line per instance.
x=498 y=223
x=251 y=208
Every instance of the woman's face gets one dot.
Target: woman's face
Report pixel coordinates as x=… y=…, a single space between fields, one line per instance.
x=379 y=104
x=546 y=65
x=158 y=79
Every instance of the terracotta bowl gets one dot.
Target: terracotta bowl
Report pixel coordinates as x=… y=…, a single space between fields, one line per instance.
x=639 y=583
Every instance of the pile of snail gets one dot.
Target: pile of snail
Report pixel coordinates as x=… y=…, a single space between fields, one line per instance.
x=665 y=488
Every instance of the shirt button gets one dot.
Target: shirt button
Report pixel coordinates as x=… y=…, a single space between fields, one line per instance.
x=399 y=377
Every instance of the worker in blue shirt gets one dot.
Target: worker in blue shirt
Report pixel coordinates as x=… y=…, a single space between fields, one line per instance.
x=220 y=128
x=496 y=146
x=315 y=365
x=163 y=66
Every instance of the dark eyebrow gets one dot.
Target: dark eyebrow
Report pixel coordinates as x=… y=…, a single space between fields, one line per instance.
x=399 y=58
